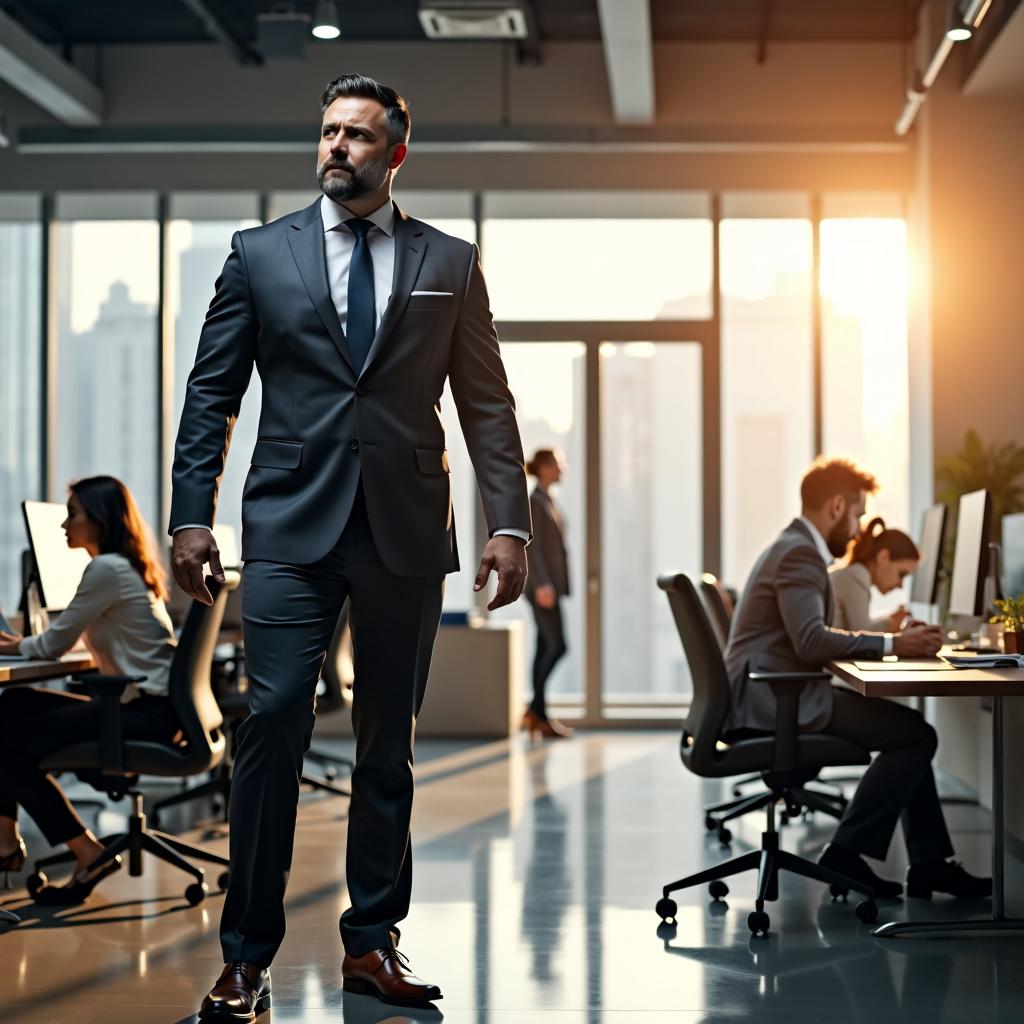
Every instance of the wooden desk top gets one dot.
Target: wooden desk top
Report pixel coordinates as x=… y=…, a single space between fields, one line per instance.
x=891 y=681
x=14 y=672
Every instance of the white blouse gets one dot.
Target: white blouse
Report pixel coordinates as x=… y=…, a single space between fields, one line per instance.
x=124 y=624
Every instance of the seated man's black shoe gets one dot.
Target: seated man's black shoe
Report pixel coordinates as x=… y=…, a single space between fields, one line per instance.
x=846 y=862
x=946 y=876
x=242 y=993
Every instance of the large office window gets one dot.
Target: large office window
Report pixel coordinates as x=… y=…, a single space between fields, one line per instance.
x=106 y=283
x=597 y=255
x=650 y=512
x=198 y=240
x=767 y=370
x=20 y=382
x=864 y=294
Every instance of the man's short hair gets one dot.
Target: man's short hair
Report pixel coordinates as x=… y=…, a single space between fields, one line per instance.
x=829 y=477
x=396 y=110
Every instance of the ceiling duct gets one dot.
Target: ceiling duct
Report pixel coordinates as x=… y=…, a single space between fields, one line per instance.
x=474 y=19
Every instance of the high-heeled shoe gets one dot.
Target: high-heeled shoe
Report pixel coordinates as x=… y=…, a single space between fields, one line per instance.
x=77 y=890
x=549 y=728
x=13 y=861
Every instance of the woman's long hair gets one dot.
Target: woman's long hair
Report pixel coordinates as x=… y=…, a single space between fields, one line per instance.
x=877 y=537
x=123 y=531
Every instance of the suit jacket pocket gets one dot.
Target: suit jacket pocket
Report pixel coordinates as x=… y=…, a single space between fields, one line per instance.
x=273 y=453
x=430 y=302
x=432 y=460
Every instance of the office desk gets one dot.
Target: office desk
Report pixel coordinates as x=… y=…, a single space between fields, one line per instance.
x=995 y=683
x=14 y=673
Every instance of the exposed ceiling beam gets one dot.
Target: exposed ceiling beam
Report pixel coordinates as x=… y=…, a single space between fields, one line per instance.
x=629 y=57
x=36 y=71
x=219 y=28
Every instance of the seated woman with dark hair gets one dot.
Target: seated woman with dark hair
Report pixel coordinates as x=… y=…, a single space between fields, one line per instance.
x=119 y=611
x=878 y=556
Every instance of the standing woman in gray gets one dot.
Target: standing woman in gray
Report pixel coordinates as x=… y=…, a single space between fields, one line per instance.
x=355 y=315
x=547 y=585
x=119 y=611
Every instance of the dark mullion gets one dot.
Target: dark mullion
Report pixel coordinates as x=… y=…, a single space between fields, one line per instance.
x=46 y=211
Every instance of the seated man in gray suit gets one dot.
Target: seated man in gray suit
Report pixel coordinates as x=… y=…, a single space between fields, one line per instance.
x=782 y=623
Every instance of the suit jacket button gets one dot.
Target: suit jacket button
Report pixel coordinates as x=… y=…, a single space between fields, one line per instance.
x=353 y=445
x=361 y=390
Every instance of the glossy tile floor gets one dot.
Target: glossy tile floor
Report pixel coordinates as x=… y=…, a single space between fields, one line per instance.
x=537 y=870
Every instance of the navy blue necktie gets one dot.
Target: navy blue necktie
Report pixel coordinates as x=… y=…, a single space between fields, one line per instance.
x=362 y=306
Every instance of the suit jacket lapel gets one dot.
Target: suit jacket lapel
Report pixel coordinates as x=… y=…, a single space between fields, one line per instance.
x=829 y=597
x=410 y=248
x=307 y=245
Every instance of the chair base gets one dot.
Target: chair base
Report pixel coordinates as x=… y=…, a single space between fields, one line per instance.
x=799 y=800
x=768 y=862
x=140 y=839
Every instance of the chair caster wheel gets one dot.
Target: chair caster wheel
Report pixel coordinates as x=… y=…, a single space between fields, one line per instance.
x=223 y=879
x=758 y=922
x=724 y=836
x=838 y=893
x=330 y=774
x=710 y=824
x=666 y=909
x=196 y=893
x=867 y=911
x=719 y=890
x=36 y=881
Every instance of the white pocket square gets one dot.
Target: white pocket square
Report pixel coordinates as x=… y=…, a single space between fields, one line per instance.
x=430 y=293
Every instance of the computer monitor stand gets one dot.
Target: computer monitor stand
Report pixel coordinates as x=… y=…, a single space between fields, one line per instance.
x=33 y=615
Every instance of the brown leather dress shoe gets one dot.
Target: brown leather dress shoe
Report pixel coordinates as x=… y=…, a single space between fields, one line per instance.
x=386 y=974
x=242 y=992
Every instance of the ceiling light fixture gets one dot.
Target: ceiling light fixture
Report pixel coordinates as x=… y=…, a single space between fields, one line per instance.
x=957 y=30
x=325 y=23
x=976 y=11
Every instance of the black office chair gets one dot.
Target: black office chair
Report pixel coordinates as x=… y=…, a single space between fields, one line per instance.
x=335 y=692
x=114 y=764
x=719 y=605
x=786 y=760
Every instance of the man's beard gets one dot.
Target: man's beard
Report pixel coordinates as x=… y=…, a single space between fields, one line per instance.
x=838 y=539
x=360 y=182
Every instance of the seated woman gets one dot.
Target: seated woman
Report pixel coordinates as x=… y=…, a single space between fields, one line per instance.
x=119 y=612
x=878 y=556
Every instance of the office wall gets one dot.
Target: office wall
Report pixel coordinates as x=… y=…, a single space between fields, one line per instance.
x=969 y=221
x=707 y=93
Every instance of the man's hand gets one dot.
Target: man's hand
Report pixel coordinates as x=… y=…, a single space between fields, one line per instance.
x=507 y=557
x=917 y=641
x=545 y=596
x=10 y=643
x=193 y=548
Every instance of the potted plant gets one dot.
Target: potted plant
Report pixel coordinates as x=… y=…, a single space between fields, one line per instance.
x=1011 y=615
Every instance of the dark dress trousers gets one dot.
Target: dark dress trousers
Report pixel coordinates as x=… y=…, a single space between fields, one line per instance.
x=549 y=566
x=348 y=497
x=782 y=623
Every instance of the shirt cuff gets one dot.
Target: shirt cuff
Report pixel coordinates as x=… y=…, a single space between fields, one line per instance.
x=886 y=645
x=510 y=532
x=192 y=526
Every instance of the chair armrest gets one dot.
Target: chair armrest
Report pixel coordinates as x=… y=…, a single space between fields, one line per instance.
x=787 y=687
x=107 y=691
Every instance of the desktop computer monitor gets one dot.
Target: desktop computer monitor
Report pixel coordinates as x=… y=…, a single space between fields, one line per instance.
x=1013 y=555
x=924 y=589
x=971 y=555
x=58 y=568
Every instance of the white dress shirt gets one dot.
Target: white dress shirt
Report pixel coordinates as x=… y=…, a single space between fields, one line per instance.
x=339 y=242
x=828 y=558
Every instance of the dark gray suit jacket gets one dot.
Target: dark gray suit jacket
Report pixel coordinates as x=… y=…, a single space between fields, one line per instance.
x=323 y=425
x=548 y=559
x=782 y=623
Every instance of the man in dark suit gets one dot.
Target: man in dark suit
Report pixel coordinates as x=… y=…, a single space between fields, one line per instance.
x=355 y=315
x=782 y=623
